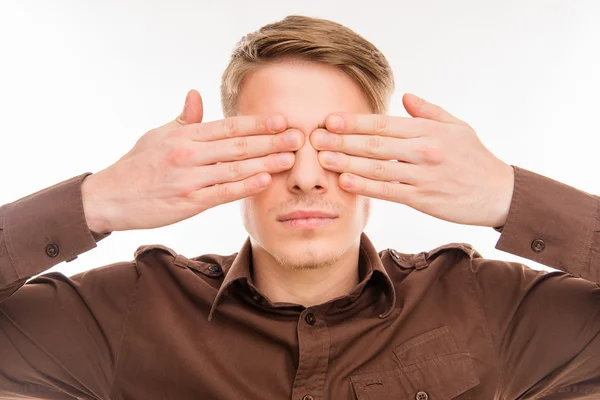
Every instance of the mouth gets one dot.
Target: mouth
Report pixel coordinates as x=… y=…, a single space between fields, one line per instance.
x=308 y=223
x=307 y=219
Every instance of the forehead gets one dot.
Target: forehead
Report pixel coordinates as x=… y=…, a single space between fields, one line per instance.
x=306 y=93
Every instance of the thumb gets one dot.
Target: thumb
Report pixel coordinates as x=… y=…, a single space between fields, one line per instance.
x=418 y=107
x=192 y=112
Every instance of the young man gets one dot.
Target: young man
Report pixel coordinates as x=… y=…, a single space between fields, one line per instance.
x=307 y=309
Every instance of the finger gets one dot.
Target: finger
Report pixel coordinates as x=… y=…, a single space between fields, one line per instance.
x=243 y=125
x=381 y=170
x=372 y=146
x=239 y=148
x=237 y=170
x=231 y=191
x=191 y=114
x=376 y=124
x=383 y=190
x=418 y=107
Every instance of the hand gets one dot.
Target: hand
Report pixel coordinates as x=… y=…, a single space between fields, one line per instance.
x=434 y=163
x=185 y=167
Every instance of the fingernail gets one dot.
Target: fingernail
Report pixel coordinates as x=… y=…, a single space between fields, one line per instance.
x=284 y=159
x=187 y=100
x=321 y=139
x=336 y=122
x=276 y=123
x=329 y=158
x=347 y=181
x=291 y=138
x=263 y=180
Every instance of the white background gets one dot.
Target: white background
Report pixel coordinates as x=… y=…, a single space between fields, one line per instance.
x=81 y=81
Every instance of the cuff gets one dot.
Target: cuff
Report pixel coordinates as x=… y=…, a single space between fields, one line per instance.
x=46 y=228
x=553 y=224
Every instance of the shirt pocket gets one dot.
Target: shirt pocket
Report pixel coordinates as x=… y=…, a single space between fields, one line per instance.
x=431 y=368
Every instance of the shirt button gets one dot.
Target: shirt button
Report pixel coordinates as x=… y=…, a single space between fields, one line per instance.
x=422 y=396
x=52 y=250
x=307 y=397
x=214 y=268
x=310 y=319
x=538 y=245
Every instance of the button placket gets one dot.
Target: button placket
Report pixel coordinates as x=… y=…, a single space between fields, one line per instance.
x=313 y=348
x=310 y=318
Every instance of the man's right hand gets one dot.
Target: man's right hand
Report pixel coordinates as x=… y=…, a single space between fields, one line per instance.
x=185 y=167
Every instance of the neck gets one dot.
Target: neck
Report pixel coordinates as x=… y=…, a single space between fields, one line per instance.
x=306 y=287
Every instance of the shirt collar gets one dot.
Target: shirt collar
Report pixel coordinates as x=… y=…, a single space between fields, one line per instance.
x=369 y=265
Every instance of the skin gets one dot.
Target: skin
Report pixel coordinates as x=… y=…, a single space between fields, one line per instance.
x=309 y=266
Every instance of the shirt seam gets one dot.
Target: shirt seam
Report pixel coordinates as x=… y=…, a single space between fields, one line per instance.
x=7 y=241
x=120 y=345
x=486 y=325
x=586 y=246
x=586 y=251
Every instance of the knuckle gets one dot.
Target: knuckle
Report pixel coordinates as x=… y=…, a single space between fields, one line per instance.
x=381 y=124
x=229 y=126
x=240 y=144
x=235 y=169
x=430 y=154
x=274 y=140
x=433 y=155
x=179 y=155
x=222 y=191
x=249 y=186
x=271 y=162
x=387 y=189
x=338 y=141
x=374 y=144
x=378 y=169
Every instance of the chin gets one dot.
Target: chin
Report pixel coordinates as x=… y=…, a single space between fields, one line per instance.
x=305 y=251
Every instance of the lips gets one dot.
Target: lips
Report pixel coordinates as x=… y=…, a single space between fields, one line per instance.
x=304 y=214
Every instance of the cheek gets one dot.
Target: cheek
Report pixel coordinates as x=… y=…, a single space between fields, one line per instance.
x=255 y=208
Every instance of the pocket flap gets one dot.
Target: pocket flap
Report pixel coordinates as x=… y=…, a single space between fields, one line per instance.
x=431 y=367
x=426 y=347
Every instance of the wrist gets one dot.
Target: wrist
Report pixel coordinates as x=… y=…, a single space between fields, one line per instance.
x=504 y=199
x=94 y=218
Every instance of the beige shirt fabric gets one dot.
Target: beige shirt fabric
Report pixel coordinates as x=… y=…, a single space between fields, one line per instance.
x=440 y=324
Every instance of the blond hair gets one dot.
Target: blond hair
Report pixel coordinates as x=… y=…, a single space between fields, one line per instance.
x=309 y=39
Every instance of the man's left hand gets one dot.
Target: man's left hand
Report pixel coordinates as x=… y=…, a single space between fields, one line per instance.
x=433 y=162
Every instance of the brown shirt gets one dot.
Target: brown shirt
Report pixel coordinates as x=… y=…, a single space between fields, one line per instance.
x=440 y=324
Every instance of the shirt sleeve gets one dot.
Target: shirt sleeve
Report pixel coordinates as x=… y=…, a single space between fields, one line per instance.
x=41 y=230
x=59 y=336
x=553 y=224
x=545 y=325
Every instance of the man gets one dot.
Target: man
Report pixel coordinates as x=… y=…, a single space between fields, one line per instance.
x=307 y=309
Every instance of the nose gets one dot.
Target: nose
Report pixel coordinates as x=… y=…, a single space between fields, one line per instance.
x=307 y=175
